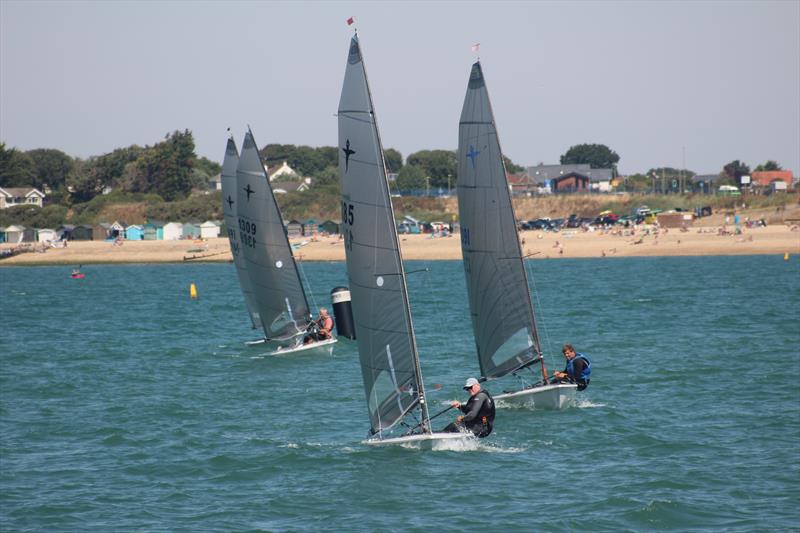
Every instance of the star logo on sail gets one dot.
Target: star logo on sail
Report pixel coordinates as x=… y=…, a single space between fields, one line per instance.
x=472 y=154
x=347 y=153
x=230 y=202
x=249 y=191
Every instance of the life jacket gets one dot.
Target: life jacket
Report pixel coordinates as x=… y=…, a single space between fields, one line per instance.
x=484 y=423
x=583 y=379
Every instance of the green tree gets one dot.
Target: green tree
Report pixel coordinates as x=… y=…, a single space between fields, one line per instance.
x=393 y=159
x=325 y=177
x=411 y=177
x=439 y=165
x=165 y=169
x=511 y=167
x=16 y=168
x=51 y=168
x=735 y=170
x=596 y=155
x=769 y=165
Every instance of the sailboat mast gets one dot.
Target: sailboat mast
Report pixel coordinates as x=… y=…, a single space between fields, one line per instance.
x=407 y=307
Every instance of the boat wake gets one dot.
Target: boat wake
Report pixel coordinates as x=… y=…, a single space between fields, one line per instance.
x=588 y=404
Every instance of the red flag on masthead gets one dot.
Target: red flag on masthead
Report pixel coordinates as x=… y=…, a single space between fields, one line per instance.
x=350 y=21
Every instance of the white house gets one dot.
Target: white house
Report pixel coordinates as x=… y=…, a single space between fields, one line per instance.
x=285 y=172
x=209 y=229
x=215 y=183
x=11 y=196
x=45 y=235
x=173 y=231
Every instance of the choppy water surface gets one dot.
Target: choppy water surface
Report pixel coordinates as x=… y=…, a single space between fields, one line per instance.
x=125 y=405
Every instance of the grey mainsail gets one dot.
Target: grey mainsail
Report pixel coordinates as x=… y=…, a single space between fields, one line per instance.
x=386 y=344
x=278 y=291
x=229 y=203
x=499 y=299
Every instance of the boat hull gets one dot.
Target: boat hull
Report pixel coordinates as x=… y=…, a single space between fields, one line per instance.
x=427 y=440
x=319 y=347
x=553 y=397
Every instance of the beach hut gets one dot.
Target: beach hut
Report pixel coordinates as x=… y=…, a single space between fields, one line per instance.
x=65 y=232
x=134 y=233
x=330 y=227
x=82 y=233
x=101 y=231
x=154 y=231
x=190 y=230
x=2 y=235
x=209 y=229
x=14 y=234
x=173 y=231
x=46 y=235
x=117 y=230
x=310 y=227
x=294 y=229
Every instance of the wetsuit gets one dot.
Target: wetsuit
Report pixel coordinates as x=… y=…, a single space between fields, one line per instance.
x=478 y=415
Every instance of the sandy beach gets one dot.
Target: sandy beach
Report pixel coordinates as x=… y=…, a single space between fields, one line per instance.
x=775 y=239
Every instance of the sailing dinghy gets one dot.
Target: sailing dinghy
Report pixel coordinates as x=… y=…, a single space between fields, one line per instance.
x=277 y=289
x=503 y=320
x=229 y=203
x=387 y=347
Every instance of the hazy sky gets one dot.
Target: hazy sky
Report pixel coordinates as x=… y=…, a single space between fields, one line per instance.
x=715 y=81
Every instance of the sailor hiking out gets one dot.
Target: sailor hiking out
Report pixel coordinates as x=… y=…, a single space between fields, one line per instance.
x=478 y=411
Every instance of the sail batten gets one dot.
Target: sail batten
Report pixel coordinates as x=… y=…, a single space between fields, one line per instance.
x=385 y=335
x=497 y=285
x=277 y=288
x=229 y=209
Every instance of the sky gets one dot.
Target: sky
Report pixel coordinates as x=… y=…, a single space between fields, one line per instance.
x=681 y=84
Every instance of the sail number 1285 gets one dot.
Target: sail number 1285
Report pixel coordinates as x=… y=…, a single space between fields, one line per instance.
x=347 y=224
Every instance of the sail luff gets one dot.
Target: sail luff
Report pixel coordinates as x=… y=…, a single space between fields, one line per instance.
x=387 y=346
x=228 y=182
x=501 y=309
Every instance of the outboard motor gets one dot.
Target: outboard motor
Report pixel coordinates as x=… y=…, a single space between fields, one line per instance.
x=343 y=312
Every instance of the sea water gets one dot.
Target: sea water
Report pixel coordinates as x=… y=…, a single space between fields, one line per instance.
x=125 y=405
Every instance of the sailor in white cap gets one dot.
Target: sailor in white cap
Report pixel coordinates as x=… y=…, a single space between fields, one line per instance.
x=478 y=411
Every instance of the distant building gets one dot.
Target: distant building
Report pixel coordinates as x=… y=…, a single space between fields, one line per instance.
x=209 y=229
x=11 y=196
x=215 y=183
x=704 y=183
x=545 y=175
x=570 y=182
x=284 y=187
x=766 y=178
x=172 y=231
x=284 y=172
x=190 y=230
x=134 y=232
x=46 y=235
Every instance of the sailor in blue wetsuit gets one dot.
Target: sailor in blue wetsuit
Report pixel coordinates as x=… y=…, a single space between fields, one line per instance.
x=577 y=370
x=478 y=411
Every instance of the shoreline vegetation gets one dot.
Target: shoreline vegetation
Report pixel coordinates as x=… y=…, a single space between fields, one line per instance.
x=712 y=239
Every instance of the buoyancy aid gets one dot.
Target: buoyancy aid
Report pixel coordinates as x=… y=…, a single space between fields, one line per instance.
x=570 y=370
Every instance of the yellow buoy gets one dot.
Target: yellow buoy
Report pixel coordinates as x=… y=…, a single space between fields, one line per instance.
x=786 y=256
x=193 y=291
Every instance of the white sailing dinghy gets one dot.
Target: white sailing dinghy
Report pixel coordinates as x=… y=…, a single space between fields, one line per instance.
x=386 y=344
x=277 y=289
x=229 y=203
x=503 y=320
